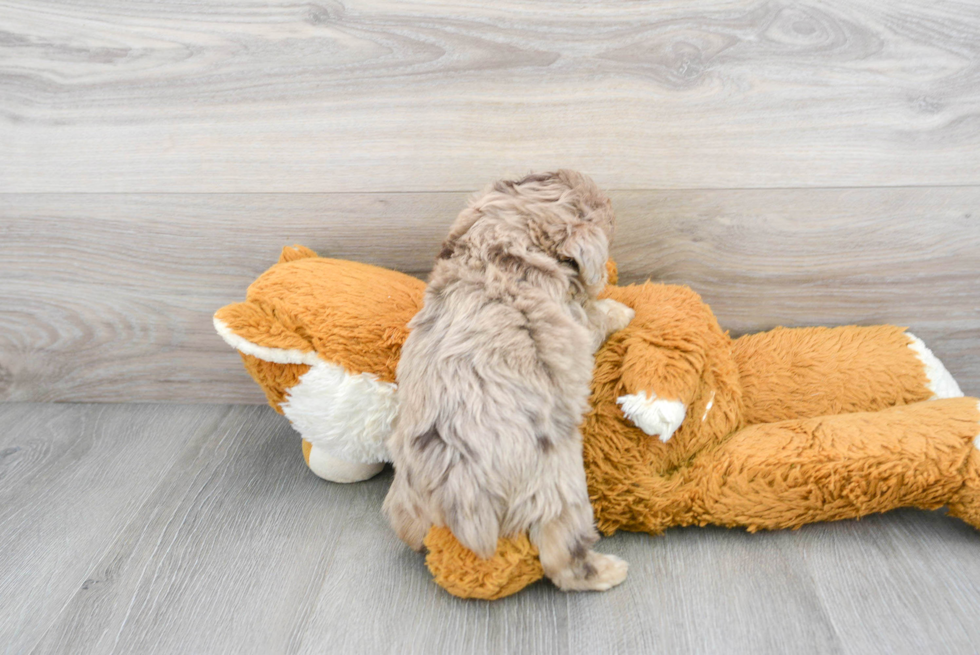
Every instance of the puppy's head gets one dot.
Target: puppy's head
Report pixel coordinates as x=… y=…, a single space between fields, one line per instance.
x=560 y=216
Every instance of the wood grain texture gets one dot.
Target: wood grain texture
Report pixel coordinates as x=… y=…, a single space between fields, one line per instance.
x=239 y=549
x=245 y=551
x=225 y=558
x=890 y=576
x=885 y=584
x=380 y=96
x=112 y=295
x=109 y=297
x=71 y=478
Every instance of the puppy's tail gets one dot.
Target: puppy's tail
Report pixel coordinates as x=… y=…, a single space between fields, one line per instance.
x=405 y=512
x=471 y=513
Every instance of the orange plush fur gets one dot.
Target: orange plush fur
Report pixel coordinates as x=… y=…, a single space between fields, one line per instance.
x=782 y=428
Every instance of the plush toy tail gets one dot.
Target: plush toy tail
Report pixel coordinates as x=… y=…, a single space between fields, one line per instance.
x=459 y=571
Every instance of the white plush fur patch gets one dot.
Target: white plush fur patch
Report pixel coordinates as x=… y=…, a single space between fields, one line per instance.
x=343 y=415
x=941 y=383
x=349 y=416
x=653 y=415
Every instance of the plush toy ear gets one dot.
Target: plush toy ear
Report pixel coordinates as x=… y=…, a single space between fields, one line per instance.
x=586 y=245
x=292 y=253
x=612 y=272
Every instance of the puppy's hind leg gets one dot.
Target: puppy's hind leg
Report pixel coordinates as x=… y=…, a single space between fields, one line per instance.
x=405 y=513
x=565 y=549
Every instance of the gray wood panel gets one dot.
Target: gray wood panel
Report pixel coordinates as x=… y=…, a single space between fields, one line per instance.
x=109 y=296
x=224 y=558
x=239 y=95
x=882 y=568
x=245 y=551
x=71 y=478
x=239 y=549
x=885 y=584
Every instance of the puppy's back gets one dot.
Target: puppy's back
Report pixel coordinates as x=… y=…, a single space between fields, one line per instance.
x=491 y=384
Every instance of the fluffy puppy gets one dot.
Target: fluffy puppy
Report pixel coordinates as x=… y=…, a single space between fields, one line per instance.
x=494 y=378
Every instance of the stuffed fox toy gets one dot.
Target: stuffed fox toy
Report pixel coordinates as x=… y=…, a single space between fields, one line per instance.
x=686 y=427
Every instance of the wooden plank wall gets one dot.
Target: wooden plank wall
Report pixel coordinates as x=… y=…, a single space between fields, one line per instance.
x=805 y=163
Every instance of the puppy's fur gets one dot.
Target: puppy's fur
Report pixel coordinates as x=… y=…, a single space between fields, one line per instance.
x=494 y=378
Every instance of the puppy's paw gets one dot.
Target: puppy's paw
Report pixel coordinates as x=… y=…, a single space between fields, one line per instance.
x=411 y=530
x=610 y=571
x=618 y=315
x=653 y=415
x=597 y=572
x=405 y=517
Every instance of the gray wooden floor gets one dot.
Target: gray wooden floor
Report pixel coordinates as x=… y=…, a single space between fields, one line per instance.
x=197 y=529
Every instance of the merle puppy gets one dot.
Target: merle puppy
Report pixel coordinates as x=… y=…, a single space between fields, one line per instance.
x=494 y=378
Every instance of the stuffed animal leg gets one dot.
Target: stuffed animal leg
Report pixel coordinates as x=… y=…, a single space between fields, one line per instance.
x=779 y=475
x=965 y=502
x=675 y=362
x=671 y=371
x=789 y=473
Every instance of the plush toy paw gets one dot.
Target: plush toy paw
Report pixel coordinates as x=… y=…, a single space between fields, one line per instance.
x=598 y=573
x=653 y=415
x=334 y=469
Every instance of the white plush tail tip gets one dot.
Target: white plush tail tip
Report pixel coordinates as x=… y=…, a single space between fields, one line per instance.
x=941 y=383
